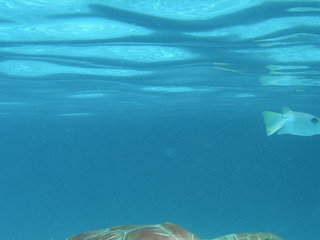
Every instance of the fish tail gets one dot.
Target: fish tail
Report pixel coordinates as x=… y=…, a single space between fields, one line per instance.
x=273 y=122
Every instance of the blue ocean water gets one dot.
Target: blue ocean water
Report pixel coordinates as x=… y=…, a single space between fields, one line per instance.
x=126 y=112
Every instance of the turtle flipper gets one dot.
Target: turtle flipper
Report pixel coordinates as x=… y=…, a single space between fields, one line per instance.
x=249 y=236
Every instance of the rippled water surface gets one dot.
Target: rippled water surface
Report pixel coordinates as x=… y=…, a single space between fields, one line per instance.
x=63 y=58
x=137 y=112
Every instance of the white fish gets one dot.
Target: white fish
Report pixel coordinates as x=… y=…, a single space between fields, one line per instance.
x=290 y=122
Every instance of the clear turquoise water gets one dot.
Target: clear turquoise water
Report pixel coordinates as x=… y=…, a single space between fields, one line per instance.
x=125 y=112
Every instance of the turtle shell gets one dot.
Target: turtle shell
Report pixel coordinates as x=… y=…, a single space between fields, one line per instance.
x=165 y=231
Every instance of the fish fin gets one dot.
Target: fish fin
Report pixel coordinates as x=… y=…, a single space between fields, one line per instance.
x=273 y=122
x=285 y=110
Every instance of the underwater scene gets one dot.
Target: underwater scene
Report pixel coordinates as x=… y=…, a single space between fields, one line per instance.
x=204 y=114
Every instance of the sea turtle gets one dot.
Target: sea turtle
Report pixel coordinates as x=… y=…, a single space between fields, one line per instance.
x=164 y=231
